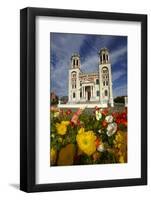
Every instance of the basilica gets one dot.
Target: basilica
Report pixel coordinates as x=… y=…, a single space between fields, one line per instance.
x=91 y=88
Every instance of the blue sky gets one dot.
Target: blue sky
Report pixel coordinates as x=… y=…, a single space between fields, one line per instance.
x=62 y=45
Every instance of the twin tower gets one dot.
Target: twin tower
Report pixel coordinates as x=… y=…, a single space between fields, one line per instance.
x=91 y=88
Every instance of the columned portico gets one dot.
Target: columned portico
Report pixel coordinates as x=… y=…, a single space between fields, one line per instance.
x=87 y=92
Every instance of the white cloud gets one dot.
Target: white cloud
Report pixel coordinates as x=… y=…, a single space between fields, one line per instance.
x=60 y=72
x=63 y=48
x=91 y=64
x=118 y=74
x=115 y=55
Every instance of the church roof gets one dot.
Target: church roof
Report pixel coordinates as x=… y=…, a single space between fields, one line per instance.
x=103 y=49
x=75 y=55
x=89 y=73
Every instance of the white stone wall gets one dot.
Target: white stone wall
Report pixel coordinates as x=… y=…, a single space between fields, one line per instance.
x=73 y=90
x=90 y=87
x=108 y=88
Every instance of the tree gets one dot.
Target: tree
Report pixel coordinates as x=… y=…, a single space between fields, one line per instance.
x=54 y=99
x=119 y=99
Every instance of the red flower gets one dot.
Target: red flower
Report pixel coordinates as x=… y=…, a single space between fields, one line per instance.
x=78 y=122
x=72 y=124
x=97 y=142
x=114 y=114
x=69 y=111
x=124 y=122
x=104 y=112
x=124 y=115
x=104 y=123
x=121 y=118
x=118 y=120
x=96 y=108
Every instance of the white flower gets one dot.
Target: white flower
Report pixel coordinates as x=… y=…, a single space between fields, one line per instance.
x=98 y=114
x=109 y=119
x=100 y=148
x=99 y=131
x=111 y=129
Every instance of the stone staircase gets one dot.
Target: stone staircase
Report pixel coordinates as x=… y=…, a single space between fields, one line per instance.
x=88 y=102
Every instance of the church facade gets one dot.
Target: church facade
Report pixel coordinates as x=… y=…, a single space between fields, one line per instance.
x=91 y=88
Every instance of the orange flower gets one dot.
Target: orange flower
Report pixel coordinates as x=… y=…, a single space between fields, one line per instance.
x=97 y=142
x=105 y=111
x=66 y=155
x=104 y=123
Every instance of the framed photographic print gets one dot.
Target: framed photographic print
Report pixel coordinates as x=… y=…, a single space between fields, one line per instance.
x=83 y=99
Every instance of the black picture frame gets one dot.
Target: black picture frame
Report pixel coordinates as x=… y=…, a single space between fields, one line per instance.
x=28 y=99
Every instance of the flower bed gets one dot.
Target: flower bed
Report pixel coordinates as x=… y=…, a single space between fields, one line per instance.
x=84 y=137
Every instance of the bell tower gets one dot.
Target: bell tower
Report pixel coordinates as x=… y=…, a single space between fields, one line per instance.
x=104 y=56
x=75 y=61
x=105 y=76
x=73 y=87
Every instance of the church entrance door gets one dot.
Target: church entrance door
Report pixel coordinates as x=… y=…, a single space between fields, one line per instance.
x=88 y=92
x=89 y=95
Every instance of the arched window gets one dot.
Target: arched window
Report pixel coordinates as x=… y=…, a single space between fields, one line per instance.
x=106 y=93
x=73 y=74
x=73 y=62
x=98 y=93
x=97 y=81
x=105 y=76
x=105 y=70
x=107 y=57
x=73 y=94
x=103 y=57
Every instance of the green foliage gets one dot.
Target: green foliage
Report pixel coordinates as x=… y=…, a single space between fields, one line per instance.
x=107 y=158
x=88 y=121
x=119 y=99
x=54 y=101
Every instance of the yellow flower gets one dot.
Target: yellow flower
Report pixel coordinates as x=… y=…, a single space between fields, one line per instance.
x=86 y=141
x=120 y=137
x=65 y=123
x=81 y=131
x=53 y=156
x=66 y=155
x=121 y=159
x=120 y=143
x=62 y=127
